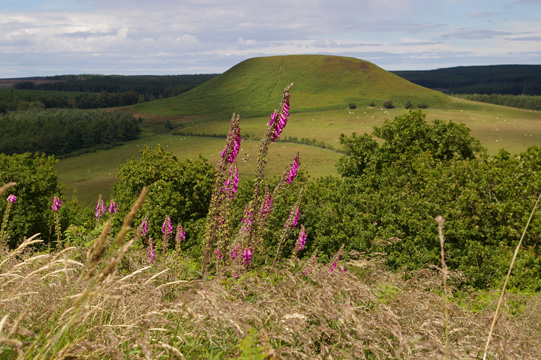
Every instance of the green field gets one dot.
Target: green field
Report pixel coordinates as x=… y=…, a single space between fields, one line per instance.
x=324 y=87
x=92 y=174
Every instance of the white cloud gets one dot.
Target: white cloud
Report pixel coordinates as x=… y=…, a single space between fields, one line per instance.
x=168 y=36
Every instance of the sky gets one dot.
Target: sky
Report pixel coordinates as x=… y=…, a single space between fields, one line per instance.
x=164 y=37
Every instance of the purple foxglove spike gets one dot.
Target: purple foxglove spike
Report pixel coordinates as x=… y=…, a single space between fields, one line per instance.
x=12 y=199
x=247 y=255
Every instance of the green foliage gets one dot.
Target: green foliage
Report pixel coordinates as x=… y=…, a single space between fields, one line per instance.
x=178 y=189
x=250 y=347
x=408 y=105
x=352 y=106
x=388 y=104
x=408 y=133
x=37 y=183
x=391 y=193
x=63 y=131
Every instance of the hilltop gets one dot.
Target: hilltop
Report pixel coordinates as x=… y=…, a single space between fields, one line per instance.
x=321 y=83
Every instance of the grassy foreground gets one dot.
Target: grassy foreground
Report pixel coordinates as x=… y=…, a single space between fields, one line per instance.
x=97 y=303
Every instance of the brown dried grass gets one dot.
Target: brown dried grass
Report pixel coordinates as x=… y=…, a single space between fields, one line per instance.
x=50 y=308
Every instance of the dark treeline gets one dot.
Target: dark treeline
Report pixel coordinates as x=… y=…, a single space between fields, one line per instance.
x=494 y=79
x=64 y=131
x=19 y=101
x=518 y=101
x=148 y=86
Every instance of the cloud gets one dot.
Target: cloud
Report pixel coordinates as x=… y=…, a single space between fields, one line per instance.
x=479 y=15
x=475 y=34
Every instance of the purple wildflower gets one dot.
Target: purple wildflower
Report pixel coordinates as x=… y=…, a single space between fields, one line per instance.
x=232 y=148
x=181 y=235
x=293 y=169
x=112 y=207
x=12 y=199
x=235 y=181
x=144 y=226
x=167 y=227
x=247 y=217
x=234 y=254
x=57 y=203
x=282 y=119
x=218 y=254
x=267 y=204
x=301 y=242
x=100 y=207
x=151 y=253
x=247 y=255
x=335 y=264
x=297 y=217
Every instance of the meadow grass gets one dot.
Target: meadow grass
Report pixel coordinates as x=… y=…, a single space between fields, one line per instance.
x=110 y=302
x=91 y=174
x=495 y=126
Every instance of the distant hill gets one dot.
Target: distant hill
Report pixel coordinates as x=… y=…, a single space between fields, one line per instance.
x=492 y=79
x=254 y=87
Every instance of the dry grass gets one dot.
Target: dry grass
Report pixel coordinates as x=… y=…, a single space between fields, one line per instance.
x=55 y=307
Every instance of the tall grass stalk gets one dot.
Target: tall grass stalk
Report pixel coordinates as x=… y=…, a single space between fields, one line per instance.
x=507 y=278
x=440 y=220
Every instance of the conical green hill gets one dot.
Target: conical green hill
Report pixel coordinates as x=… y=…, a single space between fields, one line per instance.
x=254 y=87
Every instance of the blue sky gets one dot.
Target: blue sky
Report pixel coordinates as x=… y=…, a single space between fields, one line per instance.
x=210 y=36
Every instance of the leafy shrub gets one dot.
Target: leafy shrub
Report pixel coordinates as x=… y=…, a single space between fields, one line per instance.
x=37 y=183
x=388 y=104
x=352 y=106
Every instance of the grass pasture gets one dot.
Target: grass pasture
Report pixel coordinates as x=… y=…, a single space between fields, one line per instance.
x=496 y=126
x=94 y=173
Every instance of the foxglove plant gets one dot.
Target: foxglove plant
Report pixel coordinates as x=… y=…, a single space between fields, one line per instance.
x=57 y=204
x=11 y=199
x=301 y=241
x=150 y=252
x=113 y=207
x=100 y=209
x=256 y=214
x=167 y=230
x=179 y=238
x=218 y=229
x=290 y=223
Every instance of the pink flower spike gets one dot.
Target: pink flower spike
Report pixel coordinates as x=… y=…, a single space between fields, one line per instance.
x=12 y=199
x=167 y=227
x=297 y=217
x=57 y=203
x=293 y=169
x=112 y=207
x=247 y=255
x=273 y=118
x=151 y=253
x=301 y=242
x=144 y=226
x=182 y=234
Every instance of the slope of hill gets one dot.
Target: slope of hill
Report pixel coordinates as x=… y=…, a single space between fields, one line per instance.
x=491 y=79
x=322 y=83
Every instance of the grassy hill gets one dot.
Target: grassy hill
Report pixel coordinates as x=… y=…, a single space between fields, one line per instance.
x=254 y=87
x=324 y=87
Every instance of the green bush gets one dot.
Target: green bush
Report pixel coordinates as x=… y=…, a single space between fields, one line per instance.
x=388 y=104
